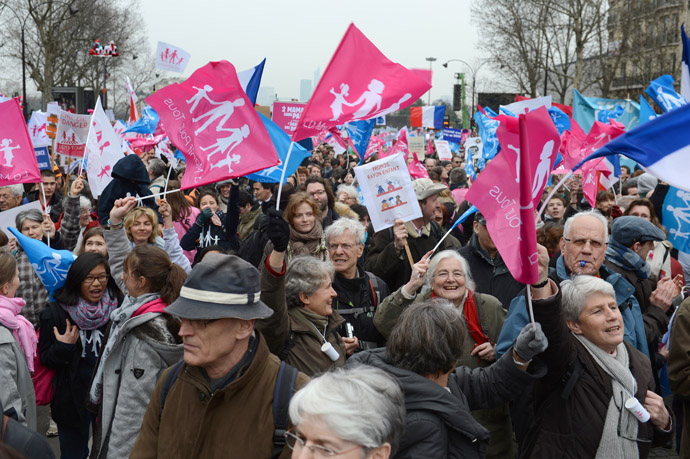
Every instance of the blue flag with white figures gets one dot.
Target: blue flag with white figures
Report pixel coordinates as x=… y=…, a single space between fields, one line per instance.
x=281 y=142
x=51 y=265
x=662 y=92
x=676 y=218
x=360 y=133
x=146 y=124
x=560 y=119
x=250 y=80
x=487 y=131
x=586 y=111
x=469 y=167
x=647 y=113
x=481 y=163
x=660 y=146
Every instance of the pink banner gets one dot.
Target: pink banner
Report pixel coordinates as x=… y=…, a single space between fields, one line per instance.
x=286 y=115
x=18 y=162
x=359 y=83
x=212 y=122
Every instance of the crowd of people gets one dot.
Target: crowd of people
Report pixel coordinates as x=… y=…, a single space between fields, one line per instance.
x=219 y=322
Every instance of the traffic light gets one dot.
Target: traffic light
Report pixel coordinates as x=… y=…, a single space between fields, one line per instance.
x=446 y=121
x=457 y=97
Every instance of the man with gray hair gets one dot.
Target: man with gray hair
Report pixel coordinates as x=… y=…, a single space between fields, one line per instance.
x=11 y=196
x=359 y=292
x=156 y=170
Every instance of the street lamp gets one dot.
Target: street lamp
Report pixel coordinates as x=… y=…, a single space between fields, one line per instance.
x=72 y=11
x=473 y=73
x=431 y=61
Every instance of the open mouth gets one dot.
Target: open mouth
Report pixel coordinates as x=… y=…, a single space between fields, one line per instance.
x=613 y=329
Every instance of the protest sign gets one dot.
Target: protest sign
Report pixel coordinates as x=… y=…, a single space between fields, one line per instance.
x=286 y=115
x=443 y=150
x=7 y=217
x=43 y=158
x=52 y=117
x=452 y=135
x=388 y=192
x=416 y=145
x=72 y=132
x=475 y=145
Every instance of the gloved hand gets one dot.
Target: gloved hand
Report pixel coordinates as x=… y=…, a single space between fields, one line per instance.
x=278 y=230
x=204 y=216
x=530 y=342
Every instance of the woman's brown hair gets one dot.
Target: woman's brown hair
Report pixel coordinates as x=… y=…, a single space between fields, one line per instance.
x=161 y=274
x=179 y=204
x=295 y=201
x=137 y=212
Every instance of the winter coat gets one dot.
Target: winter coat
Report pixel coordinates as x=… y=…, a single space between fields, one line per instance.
x=247 y=221
x=198 y=236
x=491 y=317
x=572 y=426
x=147 y=344
x=491 y=275
x=130 y=177
x=679 y=367
x=17 y=395
x=234 y=421
x=182 y=225
x=438 y=423
x=384 y=260
x=56 y=203
x=291 y=336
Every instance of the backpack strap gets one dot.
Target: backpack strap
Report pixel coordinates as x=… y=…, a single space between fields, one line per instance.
x=571 y=377
x=375 y=288
x=282 y=394
x=169 y=381
x=289 y=344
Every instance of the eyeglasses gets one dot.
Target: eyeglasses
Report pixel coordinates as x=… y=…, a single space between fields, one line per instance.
x=446 y=274
x=197 y=323
x=582 y=242
x=88 y=280
x=318 y=193
x=346 y=247
x=295 y=442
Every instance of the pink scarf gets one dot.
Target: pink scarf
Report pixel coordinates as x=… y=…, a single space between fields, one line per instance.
x=21 y=328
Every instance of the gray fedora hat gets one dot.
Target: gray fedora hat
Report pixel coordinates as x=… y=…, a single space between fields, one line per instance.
x=629 y=229
x=221 y=287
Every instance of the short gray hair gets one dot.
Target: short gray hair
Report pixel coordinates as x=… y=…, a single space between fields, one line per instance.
x=338 y=228
x=84 y=202
x=575 y=291
x=156 y=166
x=349 y=189
x=458 y=175
x=34 y=215
x=362 y=405
x=305 y=274
x=16 y=189
x=433 y=265
x=590 y=213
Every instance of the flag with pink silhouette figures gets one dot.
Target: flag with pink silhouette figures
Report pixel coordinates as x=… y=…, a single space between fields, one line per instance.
x=211 y=121
x=169 y=57
x=103 y=150
x=359 y=83
x=18 y=162
x=71 y=136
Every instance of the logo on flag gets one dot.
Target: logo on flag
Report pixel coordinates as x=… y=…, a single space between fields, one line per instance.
x=676 y=217
x=71 y=134
x=169 y=57
x=18 y=162
x=103 y=150
x=661 y=90
x=37 y=129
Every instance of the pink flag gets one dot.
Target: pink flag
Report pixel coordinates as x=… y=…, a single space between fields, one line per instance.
x=212 y=122
x=416 y=168
x=359 y=83
x=399 y=147
x=145 y=141
x=424 y=74
x=18 y=163
x=375 y=144
x=577 y=145
x=506 y=191
x=429 y=148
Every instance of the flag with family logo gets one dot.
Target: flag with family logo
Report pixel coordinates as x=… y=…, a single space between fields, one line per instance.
x=18 y=163
x=507 y=190
x=662 y=92
x=51 y=266
x=359 y=83
x=146 y=124
x=469 y=166
x=647 y=113
x=210 y=119
x=37 y=129
x=169 y=57
x=281 y=142
x=586 y=110
x=487 y=131
x=676 y=218
x=103 y=150
x=360 y=134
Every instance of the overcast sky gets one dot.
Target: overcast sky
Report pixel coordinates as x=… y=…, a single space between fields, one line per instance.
x=298 y=37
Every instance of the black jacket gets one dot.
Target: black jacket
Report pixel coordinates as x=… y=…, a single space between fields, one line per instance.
x=55 y=203
x=129 y=177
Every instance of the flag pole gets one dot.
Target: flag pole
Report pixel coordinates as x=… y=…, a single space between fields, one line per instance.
x=460 y=219
x=45 y=207
x=165 y=190
x=551 y=193
x=282 y=174
x=81 y=167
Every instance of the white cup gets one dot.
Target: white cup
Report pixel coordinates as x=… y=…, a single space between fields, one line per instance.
x=330 y=351
x=635 y=407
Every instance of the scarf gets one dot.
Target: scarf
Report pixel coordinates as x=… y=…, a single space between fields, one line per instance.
x=469 y=311
x=619 y=439
x=21 y=328
x=118 y=317
x=622 y=256
x=311 y=243
x=90 y=316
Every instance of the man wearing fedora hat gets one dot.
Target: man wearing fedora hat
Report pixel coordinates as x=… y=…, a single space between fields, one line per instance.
x=386 y=257
x=219 y=401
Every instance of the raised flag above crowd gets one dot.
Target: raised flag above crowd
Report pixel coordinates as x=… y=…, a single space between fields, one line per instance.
x=18 y=163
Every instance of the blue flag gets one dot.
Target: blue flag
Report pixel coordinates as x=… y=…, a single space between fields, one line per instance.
x=250 y=80
x=685 y=66
x=586 y=110
x=481 y=163
x=487 y=131
x=146 y=124
x=560 y=119
x=662 y=92
x=360 y=133
x=469 y=167
x=661 y=146
x=51 y=265
x=647 y=113
x=281 y=142
x=676 y=217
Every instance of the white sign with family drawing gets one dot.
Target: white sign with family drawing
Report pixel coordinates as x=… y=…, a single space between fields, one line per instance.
x=388 y=192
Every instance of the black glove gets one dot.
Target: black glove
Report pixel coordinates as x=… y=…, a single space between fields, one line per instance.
x=278 y=230
x=204 y=216
x=531 y=341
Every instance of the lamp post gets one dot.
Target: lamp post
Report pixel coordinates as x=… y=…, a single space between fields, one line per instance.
x=431 y=61
x=72 y=11
x=473 y=73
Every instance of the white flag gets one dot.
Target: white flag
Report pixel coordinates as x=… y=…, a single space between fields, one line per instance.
x=103 y=150
x=37 y=129
x=169 y=57
x=163 y=149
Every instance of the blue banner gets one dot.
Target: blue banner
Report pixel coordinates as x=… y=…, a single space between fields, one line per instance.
x=676 y=217
x=452 y=135
x=43 y=158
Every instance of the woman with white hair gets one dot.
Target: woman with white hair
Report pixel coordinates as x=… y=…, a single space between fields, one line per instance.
x=350 y=413
x=597 y=399
x=447 y=276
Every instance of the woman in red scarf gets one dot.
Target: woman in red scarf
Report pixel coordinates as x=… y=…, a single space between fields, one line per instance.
x=447 y=276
